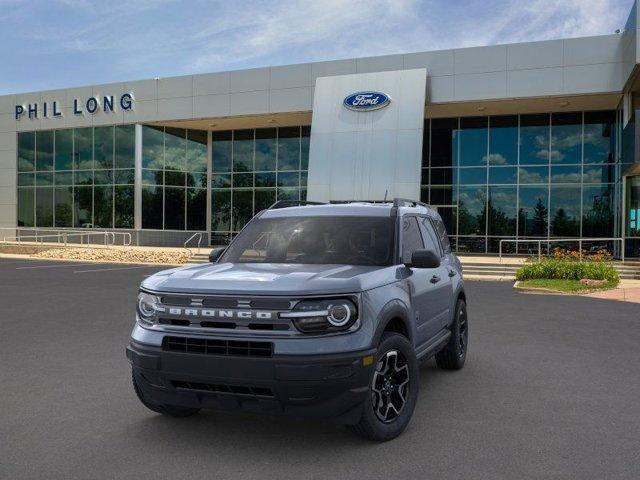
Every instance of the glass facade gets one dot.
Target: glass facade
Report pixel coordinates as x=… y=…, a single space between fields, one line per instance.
x=523 y=177
x=251 y=169
x=80 y=177
x=174 y=179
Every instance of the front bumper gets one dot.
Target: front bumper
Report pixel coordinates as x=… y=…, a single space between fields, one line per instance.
x=312 y=386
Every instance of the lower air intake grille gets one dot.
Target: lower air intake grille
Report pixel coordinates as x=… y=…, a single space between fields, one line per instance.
x=218 y=347
x=231 y=389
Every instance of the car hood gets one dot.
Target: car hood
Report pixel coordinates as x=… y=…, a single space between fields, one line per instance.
x=270 y=279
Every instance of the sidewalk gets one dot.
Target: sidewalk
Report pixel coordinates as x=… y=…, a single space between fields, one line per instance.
x=627 y=291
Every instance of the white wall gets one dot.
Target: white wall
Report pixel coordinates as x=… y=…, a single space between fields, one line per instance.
x=362 y=154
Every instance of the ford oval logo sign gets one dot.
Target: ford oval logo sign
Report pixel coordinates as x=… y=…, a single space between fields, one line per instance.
x=366 y=101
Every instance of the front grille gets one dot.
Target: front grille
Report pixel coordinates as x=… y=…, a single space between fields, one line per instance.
x=208 y=346
x=230 y=389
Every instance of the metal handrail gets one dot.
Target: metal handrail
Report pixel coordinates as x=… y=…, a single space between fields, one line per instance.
x=548 y=241
x=63 y=238
x=197 y=234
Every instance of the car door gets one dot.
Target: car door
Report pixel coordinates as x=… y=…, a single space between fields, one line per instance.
x=421 y=284
x=443 y=286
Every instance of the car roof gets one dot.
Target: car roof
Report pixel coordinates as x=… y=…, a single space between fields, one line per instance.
x=351 y=209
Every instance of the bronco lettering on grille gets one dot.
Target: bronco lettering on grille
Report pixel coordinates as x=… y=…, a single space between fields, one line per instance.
x=217 y=313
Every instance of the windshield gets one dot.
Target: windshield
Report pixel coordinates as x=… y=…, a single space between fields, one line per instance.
x=317 y=240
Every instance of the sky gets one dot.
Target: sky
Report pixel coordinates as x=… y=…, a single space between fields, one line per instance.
x=48 y=44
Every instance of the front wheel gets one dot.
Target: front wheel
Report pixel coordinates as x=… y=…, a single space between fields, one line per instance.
x=454 y=354
x=393 y=390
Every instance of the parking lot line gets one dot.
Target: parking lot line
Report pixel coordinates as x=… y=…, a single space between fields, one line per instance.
x=112 y=269
x=57 y=265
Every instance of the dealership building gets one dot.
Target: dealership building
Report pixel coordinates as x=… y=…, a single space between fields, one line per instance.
x=518 y=142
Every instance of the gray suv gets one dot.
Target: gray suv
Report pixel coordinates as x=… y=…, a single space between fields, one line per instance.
x=313 y=310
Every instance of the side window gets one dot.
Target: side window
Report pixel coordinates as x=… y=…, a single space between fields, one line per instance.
x=431 y=241
x=442 y=234
x=411 y=238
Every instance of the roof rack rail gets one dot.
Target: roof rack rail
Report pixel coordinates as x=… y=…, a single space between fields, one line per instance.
x=337 y=202
x=293 y=203
x=404 y=202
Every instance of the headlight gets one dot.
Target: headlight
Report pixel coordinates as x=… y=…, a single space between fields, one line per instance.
x=323 y=316
x=148 y=305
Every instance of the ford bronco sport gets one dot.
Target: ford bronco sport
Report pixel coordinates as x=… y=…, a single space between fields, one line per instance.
x=313 y=310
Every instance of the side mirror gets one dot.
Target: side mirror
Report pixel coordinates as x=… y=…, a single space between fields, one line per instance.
x=424 y=259
x=215 y=254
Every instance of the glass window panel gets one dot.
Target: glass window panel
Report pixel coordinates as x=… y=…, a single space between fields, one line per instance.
x=534 y=139
x=533 y=212
x=533 y=175
x=197 y=151
x=243 y=150
x=600 y=173
x=242 y=180
x=64 y=178
x=83 y=206
x=44 y=207
x=44 y=179
x=242 y=208
x=502 y=210
x=174 y=200
x=472 y=210
x=126 y=176
x=426 y=143
x=103 y=207
x=26 y=205
x=471 y=244
x=288 y=179
x=175 y=149
x=303 y=179
x=123 y=201
x=503 y=140
x=64 y=150
x=152 y=177
x=221 y=146
x=220 y=210
x=176 y=179
x=220 y=181
x=44 y=150
x=83 y=177
x=599 y=140
x=152 y=207
x=83 y=148
x=597 y=211
x=502 y=175
x=288 y=193
x=441 y=196
x=289 y=148
x=424 y=176
x=304 y=147
x=265 y=179
x=566 y=138
x=571 y=174
x=564 y=211
x=152 y=147
x=125 y=150
x=303 y=194
x=26 y=151
x=197 y=179
x=443 y=142
x=442 y=176
x=103 y=147
x=26 y=179
x=264 y=198
x=266 y=143
x=473 y=176
x=102 y=177
x=196 y=209
x=473 y=141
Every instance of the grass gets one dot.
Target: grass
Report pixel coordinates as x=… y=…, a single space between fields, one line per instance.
x=564 y=286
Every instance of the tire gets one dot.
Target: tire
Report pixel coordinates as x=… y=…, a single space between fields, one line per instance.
x=454 y=354
x=169 y=410
x=371 y=424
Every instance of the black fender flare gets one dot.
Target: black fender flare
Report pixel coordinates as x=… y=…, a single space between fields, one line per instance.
x=393 y=309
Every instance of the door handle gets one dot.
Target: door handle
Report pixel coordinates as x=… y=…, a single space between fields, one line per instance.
x=452 y=273
x=435 y=279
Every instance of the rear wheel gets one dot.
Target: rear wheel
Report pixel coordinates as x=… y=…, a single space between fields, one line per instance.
x=454 y=354
x=393 y=390
x=170 y=410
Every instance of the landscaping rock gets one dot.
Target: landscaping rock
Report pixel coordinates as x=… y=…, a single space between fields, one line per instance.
x=119 y=255
x=592 y=283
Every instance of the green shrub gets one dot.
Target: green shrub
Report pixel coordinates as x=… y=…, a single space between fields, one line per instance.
x=567 y=270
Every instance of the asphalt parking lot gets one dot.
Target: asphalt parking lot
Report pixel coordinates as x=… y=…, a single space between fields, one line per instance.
x=551 y=390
